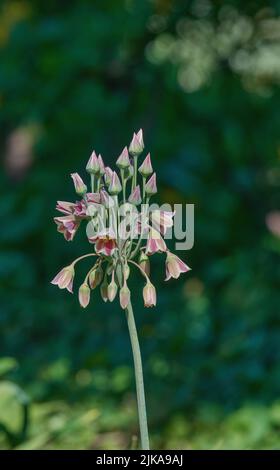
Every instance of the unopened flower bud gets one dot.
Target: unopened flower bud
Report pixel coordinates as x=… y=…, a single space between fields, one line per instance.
x=93 y=165
x=126 y=272
x=137 y=144
x=108 y=175
x=124 y=296
x=95 y=277
x=123 y=160
x=101 y=165
x=80 y=186
x=84 y=295
x=146 y=168
x=149 y=295
x=128 y=172
x=104 y=290
x=151 y=186
x=115 y=185
x=112 y=290
x=135 y=196
x=144 y=263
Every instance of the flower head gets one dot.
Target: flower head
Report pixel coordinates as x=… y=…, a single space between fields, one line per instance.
x=174 y=266
x=64 y=279
x=80 y=186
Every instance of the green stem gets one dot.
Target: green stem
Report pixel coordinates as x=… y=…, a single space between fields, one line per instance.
x=142 y=415
x=123 y=184
x=134 y=180
x=92 y=182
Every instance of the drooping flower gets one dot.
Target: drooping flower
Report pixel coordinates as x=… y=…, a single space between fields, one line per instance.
x=93 y=164
x=149 y=295
x=105 y=242
x=65 y=207
x=123 y=161
x=146 y=168
x=115 y=185
x=84 y=295
x=151 y=186
x=137 y=144
x=162 y=220
x=174 y=266
x=64 y=279
x=155 y=242
x=80 y=186
x=67 y=225
x=124 y=296
x=135 y=196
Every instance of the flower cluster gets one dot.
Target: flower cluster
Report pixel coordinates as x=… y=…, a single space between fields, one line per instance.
x=120 y=227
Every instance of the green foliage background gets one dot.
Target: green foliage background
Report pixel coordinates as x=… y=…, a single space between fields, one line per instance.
x=78 y=75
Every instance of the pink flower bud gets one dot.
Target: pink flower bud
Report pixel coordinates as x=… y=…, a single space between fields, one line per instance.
x=149 y=295
x=124 y=296
x=146 y=168
x=95 y=277
x=123 y=160
x=174 y=266
x=92 y=164
x=135 y=196
x=126 y=272
x=144 y=263
x=80 y=186
x=128 y=172
x=101 y=165
x=137 y=144
x=112 y=290
x=104 y=290
x=105 y=199
x=64 y=279
x=84 y=295
x=151 y=186
x=108 y=175
x=115 y=185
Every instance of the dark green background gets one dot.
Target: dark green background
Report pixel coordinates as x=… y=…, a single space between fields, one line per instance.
x=77 y=75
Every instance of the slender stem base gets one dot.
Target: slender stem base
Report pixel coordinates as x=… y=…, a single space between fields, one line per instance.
x=139 y=378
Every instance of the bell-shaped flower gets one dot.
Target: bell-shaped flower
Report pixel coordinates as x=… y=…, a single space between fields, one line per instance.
x=149 y=295
x=123 y=161
x=65 y=207
x=93 y=164
x=135 y=196
x=174 y=266
x=64 y=279
x=115 y=185
x=137 y=144
x=162 y=220
x=80 y=186
x=151 y=186
x=67 y=225
x=155 y=242
x=84 y=295
x=146 y=168
x=105 y=242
